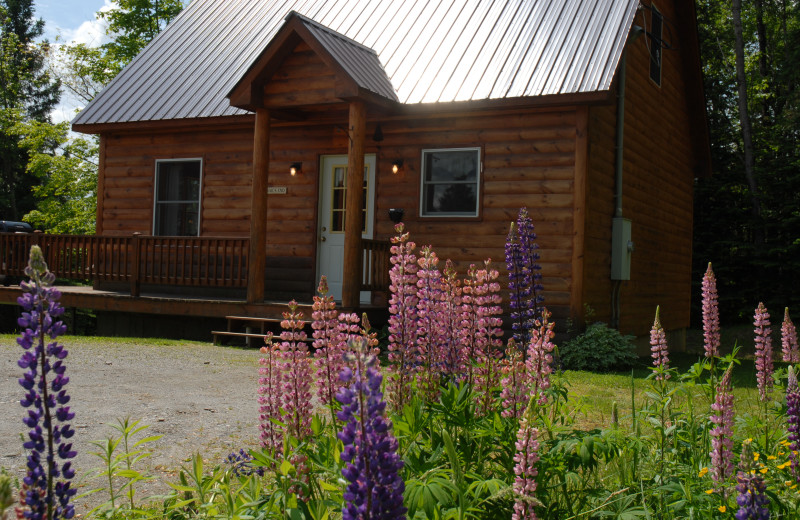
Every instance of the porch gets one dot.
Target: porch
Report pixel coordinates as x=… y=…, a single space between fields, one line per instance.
x=174 y=276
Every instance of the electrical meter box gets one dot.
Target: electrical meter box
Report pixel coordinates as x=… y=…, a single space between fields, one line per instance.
x=621 y=249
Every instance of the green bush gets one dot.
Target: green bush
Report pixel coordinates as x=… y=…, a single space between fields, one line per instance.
x=599 y=349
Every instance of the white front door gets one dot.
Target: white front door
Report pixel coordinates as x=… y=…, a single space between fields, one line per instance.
x=332 y=192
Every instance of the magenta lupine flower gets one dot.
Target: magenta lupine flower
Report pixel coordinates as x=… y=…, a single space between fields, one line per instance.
x=793 y=420
x=270 y=393
x=515 y=390
x=752 y=499
x=660 y=352
x=47 y=486
x=327 y=347
x=711 y=334
x=526 y=457
x=402 y=319
x=372 y=466
x=481 y=301
x=722 y=432
x=540 y=358
x=429 y=323
x=453 y=324
x=763 y=344
x=297 y=380
x=791 y=354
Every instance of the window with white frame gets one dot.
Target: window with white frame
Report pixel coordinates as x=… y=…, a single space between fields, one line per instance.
x=177 y=197
x=450 y=182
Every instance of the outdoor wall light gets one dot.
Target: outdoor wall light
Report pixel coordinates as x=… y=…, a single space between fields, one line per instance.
x=397 y=166
x=295 y=168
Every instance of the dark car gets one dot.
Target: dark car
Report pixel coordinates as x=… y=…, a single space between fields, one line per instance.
x=8 y=226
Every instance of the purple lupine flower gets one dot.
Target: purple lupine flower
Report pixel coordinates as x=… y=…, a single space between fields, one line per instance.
x=242 y=464
x=327 y=347
x=659 y=349
x=540 y=358
x=793 y=420
x=47 y=482
x=752 y=498
x=402 y=319
x=429 y=323
x=763 y=344
x=270 y=393
x=791 y=354
x=722 y=433
x=515 y=392
x=711 y=335
x=526 y=457
x=372 y=466
x=524 y=277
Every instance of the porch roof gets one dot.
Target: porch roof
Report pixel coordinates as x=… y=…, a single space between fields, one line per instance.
x=432 y=51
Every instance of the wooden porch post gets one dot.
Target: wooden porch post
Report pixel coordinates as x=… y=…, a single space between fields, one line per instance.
x=258 y=209
x=353 y=205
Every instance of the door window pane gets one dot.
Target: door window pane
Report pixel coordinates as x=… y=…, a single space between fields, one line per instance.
x=177 y=198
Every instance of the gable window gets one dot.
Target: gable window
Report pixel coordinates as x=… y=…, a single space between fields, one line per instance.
x=450 y=182
x=177 y=197
x=656 y=35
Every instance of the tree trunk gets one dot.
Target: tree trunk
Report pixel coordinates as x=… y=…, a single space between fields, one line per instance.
x=744 y=116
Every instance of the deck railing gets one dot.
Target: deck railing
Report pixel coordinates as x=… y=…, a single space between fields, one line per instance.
x=188 y=261
x=138 y=259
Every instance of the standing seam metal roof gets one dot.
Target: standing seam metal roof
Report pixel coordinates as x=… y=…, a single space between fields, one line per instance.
x=422 y=51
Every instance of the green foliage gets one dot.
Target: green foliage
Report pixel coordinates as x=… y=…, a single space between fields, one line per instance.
x=7 y=485
x=599 y=349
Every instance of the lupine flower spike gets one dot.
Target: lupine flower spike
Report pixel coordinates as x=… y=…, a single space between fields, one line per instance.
x=793 y=420
x=752 y=497
x=516 y=391
x=791 y=354
x=658 y=347
x=327 y=349
x=711 y=335
x=270 y=391
x=523 y=277
x=429 y=323
x=722 y=433
x=540 y=358
x=47 y=482
x=526 y=457
x=763 y=345
x=402 y=318
x=372 y=466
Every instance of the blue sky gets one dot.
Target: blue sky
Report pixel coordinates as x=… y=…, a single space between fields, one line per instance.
x=68 y=18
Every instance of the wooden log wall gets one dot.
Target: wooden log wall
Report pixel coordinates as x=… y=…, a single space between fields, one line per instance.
x=658 y=171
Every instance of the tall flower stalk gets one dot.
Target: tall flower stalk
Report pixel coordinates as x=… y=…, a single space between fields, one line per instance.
x=722 y=432
x=659 y=349
x=711 y=334
x=453 y=326
x=327 y=347
x=429 y=323
x=525 y=471
x=791 y=354
x=763 y=345
x=540 y=358
x=483 y=344
x=793 y=420
x=47 y=482
x=270 y=391
x=524 y=277
x=402 y=319
x=516 y=391
x=372 y=466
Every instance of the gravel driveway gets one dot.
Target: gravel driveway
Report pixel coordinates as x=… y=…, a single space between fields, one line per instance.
x=197 y=396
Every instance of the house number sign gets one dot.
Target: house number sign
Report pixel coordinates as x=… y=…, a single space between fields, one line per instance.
x=276 y=190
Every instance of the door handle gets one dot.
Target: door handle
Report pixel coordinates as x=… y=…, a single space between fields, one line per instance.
x=323 y=239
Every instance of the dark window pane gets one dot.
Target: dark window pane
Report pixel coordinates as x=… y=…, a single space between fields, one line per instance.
x=177 y=208
x=450 y=198
x=460 y=165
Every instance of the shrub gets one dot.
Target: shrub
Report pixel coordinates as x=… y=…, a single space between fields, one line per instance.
x=599 y=349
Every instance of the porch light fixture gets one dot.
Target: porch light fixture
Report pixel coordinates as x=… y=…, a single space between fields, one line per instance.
x=397 y=166
x=295 y=168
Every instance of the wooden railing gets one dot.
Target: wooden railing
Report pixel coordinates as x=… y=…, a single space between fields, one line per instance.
x=187 y=261
x=375 y=262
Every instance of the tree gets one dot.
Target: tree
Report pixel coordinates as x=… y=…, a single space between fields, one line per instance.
x=27 y=93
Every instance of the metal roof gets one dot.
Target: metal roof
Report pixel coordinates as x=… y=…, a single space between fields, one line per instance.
x=431 y=51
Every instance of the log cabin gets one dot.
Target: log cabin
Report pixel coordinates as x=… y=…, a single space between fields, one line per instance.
x=243 y=124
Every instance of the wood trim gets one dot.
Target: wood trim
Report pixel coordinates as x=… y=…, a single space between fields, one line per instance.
x=101 y=182
x=354 y=201
x=258 y=209
x=579 y=212
x=166 y=124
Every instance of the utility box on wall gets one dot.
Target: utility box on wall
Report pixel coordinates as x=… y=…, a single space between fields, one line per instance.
x=621 y=249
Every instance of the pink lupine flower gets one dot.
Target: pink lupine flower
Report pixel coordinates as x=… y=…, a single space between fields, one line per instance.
x=402 y=319
x=370 y=339
x=793 y=420
x=763 y=344
x=791 y=354
x=660 y=352
x=722 y=433
x=453 y=326
x=540 y=358
x=429 y=325
x=515 y=392
x=526 y=457
x=269 y=398
x=711 y=334
x=328 y=351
